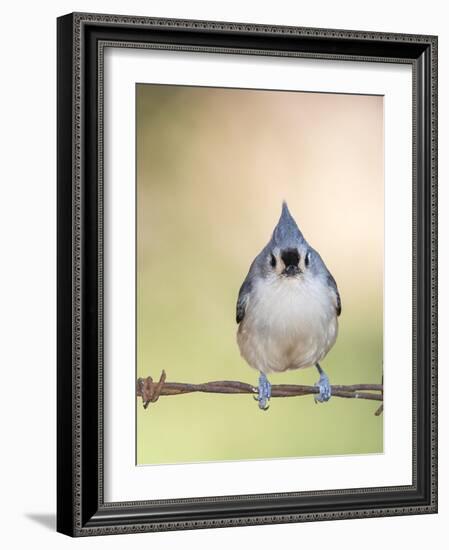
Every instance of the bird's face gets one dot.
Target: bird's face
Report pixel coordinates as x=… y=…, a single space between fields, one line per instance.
x=291 y=262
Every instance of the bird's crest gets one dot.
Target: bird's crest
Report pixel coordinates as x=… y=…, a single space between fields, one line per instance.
x=286 y=233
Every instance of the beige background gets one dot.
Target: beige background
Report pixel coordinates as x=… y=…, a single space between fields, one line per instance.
x=213 y=166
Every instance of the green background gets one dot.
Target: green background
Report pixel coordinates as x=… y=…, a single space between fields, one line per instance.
x=213 y=166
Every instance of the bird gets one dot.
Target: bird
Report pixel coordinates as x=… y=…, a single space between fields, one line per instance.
x=287 y=309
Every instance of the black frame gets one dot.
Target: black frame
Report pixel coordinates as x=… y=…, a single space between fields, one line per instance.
x=81 y=509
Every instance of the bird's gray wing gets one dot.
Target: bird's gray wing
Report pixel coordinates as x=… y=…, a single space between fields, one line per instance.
x=320 y=269
x=333 y=285
x=242 y=300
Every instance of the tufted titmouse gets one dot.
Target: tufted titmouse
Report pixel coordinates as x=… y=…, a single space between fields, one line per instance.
x=287 y=309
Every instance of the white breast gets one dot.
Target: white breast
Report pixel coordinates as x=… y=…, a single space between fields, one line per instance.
x=289 y=323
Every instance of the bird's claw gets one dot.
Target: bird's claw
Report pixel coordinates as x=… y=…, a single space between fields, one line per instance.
x=263 y=393
x=324 y=387
x=263 y=406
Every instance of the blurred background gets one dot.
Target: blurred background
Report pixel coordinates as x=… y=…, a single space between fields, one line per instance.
x=213 y=166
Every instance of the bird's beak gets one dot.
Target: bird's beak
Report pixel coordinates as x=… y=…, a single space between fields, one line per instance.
x=292 y=271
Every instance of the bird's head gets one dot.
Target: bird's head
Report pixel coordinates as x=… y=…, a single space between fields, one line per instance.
x=288 y=253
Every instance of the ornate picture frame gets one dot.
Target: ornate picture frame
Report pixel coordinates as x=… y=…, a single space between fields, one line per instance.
x=81 y=507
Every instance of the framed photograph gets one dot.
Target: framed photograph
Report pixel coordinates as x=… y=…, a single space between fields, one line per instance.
x=247 y=274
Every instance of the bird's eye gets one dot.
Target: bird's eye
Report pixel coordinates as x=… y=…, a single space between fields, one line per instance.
x=272 y=261
x=307 y=259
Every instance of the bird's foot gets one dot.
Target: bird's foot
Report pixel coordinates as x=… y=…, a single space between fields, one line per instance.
x=324 y=387
x=263 y=392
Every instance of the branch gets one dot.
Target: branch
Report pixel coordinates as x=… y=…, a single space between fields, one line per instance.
x=150 y=391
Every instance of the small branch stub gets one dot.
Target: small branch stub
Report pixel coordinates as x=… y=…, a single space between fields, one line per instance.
x=150 y=391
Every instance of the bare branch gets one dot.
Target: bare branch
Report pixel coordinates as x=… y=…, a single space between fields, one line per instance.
x=150 y=391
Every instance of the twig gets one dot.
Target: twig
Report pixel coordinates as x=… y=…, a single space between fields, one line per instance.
x=150 y=391
x=380 y=410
